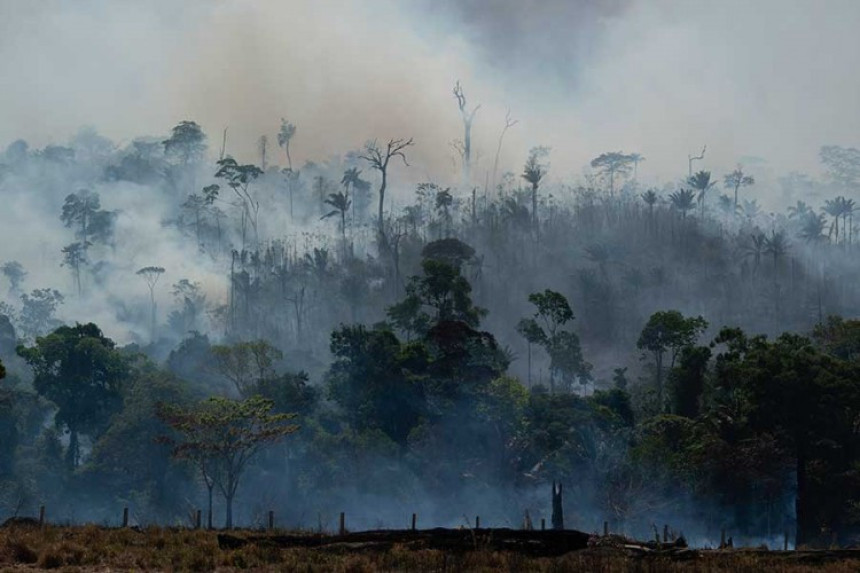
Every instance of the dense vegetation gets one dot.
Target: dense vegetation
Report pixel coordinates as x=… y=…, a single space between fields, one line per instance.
x=450 y=357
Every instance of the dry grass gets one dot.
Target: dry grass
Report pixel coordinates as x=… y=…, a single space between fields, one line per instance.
x=91 y=548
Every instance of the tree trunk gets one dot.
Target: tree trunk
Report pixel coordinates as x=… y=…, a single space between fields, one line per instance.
x=209 y=516
x=381 y=204
x=803 y=529
x=72 y=453
x=229 y=501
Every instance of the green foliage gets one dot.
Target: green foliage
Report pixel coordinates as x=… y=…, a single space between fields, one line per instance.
x=668 y=332
x=562 y=346
x=246 y=364
x=222 y=436
x=80 y=371
x=187 y=142
x=442 y=291
x=376 y=381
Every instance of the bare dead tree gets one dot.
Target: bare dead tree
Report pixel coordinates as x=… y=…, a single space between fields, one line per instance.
x=468 y=117
x=379 y=158
x=509 y=123
x=691 y=158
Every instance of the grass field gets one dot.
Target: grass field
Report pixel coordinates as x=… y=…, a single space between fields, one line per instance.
x=93 y=548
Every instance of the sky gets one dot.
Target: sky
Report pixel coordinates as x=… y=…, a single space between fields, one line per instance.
x=769 y=79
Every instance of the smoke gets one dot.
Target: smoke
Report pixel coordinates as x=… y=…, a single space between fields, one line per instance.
x=661 y=78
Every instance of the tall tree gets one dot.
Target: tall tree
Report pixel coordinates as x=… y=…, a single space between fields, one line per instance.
x=341 y=203
x=668 y=332
x=701 y=181
x=285 y=136
x=223 y=436
x=151 y=276
x=239 y=179
x=533 y=172
x=509 y=123
x=81 y=372
x=613 y=163
x=187 y=142
x=547 y=328
x=468 y=118
x=737 y=179
x=379 y=158
x=75 y=257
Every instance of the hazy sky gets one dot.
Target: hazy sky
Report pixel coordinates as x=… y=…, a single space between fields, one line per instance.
x=768 y=78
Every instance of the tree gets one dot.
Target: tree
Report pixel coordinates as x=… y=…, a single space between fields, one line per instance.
x=285 y=136
x=809 y=402
x=83 y=210
x=533 y=172
x=377 y=381
x=341 y=203
x=682 y=200
x=468 y=117
x=239 y=179
x=187 y=142
x=151 y=276
x=37 y=311
x=650 y=197
x=75 y=257
x=614 y=163
x=246 y=364
x=687 y=381
x=378 y=158
x=668 y=332
x=701 y=181
x=15 y=274
x=80 y=371
x=737 y=179
x=222 y=436
x=441 y=288
x=509 y=123
x=545 y=327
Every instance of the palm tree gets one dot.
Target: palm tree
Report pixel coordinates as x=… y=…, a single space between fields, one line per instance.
x=737 y=179
x=701 y=181
x=812 y=229
x=341 y=203
x=845 y=208
x=755 y=248
x=799 y=210
x=682 y=201
x=726 y=206
x=750 y=209
x=776 y=246
x=834 y=209
x=350 y=178
x=650 y=197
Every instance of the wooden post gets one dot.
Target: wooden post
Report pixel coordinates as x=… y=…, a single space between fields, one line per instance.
x=543 y=524
x=414 y=520
x=665 y=533
x=41 y=516
x=785 y=540
x=477 y=522
x=723 y=538
x=197 y=519
x=125 y=517
x=605 y=528
x=342 y=528
x=271 y=520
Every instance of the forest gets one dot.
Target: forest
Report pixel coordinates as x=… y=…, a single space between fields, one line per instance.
x=194 y=332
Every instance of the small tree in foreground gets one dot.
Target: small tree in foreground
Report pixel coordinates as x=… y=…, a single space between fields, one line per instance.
x=221 y=436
